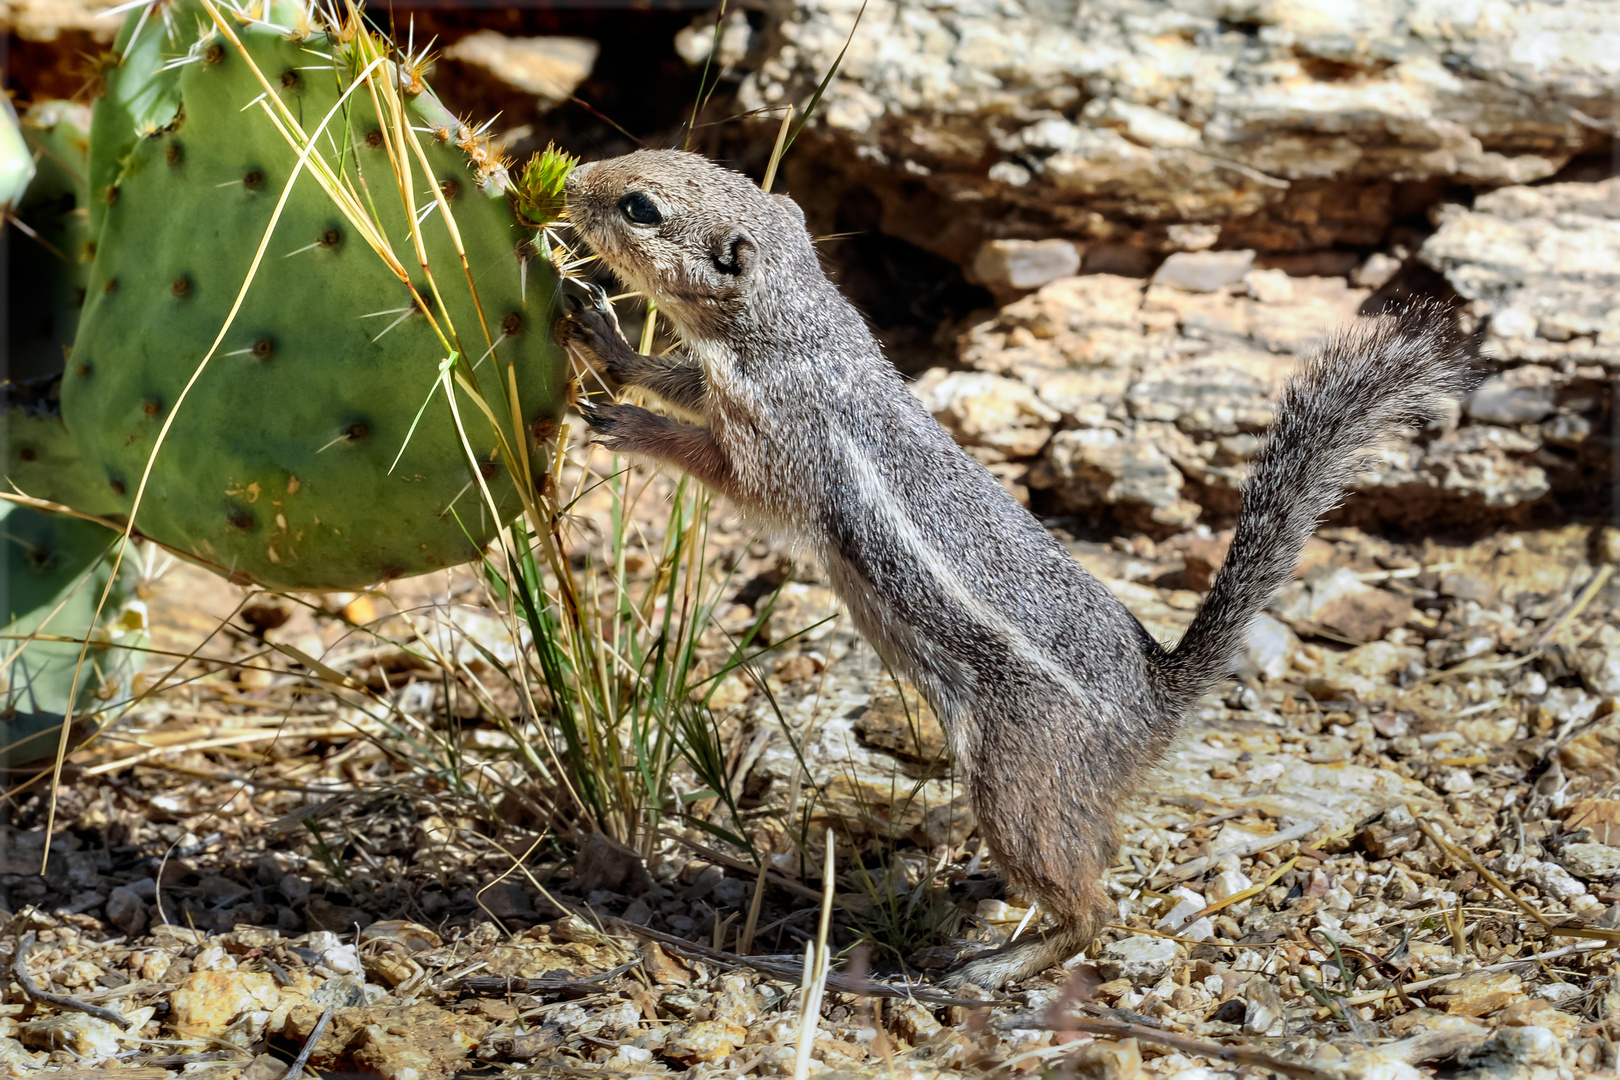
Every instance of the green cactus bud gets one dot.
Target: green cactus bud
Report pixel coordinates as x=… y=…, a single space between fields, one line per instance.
x=539 y=193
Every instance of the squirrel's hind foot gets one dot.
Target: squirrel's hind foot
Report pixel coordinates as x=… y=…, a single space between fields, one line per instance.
x=1023 y=959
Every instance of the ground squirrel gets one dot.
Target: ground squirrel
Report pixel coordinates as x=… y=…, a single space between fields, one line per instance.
x=1056 y=700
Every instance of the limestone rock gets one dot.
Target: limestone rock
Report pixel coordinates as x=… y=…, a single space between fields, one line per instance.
x=390 y=1039
x=392 y=1055
x=907 y=728
x=1263 y=1012
x=1342 y=602
x=1108 y=1060
x=16 y=1060
x=986 y=410
x=1371 y=672
x=1553 y=880
x=48 y=20
x=1227 y=883
x=1533 y=1053
x=1270 y=647
x=1290 y=125
x=126 y=910
x=1599 y=662
x=1142 y=960
x=1204 y=271
x=90 y=1038
x=912 y=1021
x=1480 y=993
x=708 y=1040
x=1164 y=396
x=1020 y=265
x=1541 y=264
x=696 y=43
x=413 y=936
x=1098 y=468
x=207 y=1001
x=549 y=68
x=1594 y=862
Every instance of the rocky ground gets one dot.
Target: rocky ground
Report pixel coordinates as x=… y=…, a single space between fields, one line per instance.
x=1099 y=236
x=1385 y=850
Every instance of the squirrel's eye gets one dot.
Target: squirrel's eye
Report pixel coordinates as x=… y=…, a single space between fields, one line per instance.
x=639 y=209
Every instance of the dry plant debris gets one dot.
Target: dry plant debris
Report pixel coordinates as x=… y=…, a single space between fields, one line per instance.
x=1391 y=849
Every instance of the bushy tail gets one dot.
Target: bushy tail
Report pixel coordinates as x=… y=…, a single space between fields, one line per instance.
x=1370 y=379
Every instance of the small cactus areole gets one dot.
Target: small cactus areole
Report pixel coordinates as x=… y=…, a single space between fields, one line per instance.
x=316 y=450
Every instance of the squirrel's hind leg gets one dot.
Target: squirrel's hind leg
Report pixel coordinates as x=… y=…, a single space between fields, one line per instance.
x=1049 y=851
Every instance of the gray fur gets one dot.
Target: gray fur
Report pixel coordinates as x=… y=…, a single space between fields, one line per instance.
x=1054 y=696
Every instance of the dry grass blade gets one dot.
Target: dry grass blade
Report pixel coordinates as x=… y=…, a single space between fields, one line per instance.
x=777 y=151
x=1239 y=1055
x=704 y=90
x=745 y=941
x=1240 y=896
x=817 y=962
x=1467 y=858
x=295 y=1071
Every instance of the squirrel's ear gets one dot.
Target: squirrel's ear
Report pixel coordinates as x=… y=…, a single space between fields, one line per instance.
x=734 y=251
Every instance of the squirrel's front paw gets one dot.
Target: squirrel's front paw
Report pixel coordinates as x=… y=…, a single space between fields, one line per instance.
x=584 y=330
x=592 y=338
x=611 y=425
x=590 y=328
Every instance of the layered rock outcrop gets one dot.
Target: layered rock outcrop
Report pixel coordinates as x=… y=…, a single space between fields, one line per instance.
x=1146 y=400
x=1281 y=125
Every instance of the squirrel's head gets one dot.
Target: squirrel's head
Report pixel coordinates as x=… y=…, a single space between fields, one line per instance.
x=694 y=236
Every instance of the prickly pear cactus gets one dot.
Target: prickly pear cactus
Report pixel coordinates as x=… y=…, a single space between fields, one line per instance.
x=41 y=459
x=280 y=465
x=49 y=263
x=54 y=569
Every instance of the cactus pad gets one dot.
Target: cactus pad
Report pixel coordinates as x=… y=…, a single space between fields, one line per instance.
x=54 y=571
x=276 y=468
x=49 y=268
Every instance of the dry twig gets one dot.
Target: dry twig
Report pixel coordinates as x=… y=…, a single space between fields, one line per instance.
x=296 y=1069
x=1240 y=1055
x=25 y=944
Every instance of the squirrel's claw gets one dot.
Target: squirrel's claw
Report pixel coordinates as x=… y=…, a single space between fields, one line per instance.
x=581 y=295
x=590 y=411
x=607 y=423
x=600 y=418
